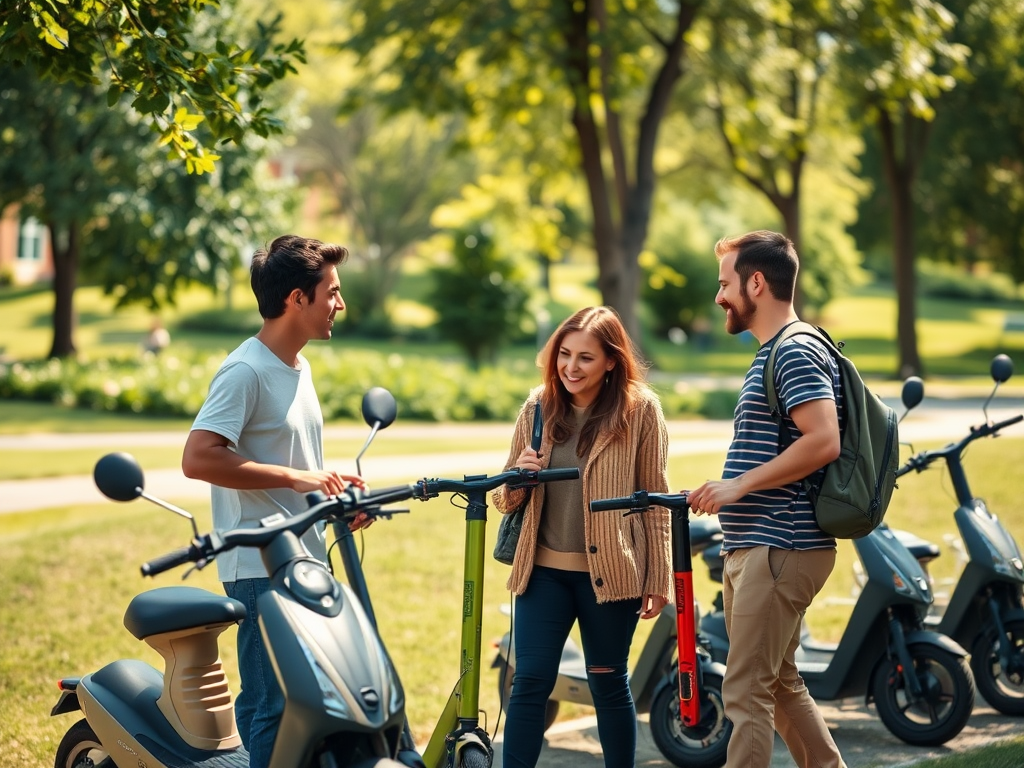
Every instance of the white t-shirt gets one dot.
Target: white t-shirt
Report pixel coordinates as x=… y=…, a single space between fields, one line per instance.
x=269 y=412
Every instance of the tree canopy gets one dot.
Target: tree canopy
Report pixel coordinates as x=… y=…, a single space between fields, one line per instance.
x=162 y=57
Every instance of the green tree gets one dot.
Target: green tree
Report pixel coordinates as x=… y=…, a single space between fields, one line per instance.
x=384 y=179
x=479 y=297
x=115 y=209
x=771 y=84
x=971 y=191
x=898 y=59
x=179 y=62
x=611 y=68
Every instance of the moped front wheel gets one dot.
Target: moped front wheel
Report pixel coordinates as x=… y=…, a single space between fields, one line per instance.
x=1002 y=687
x=702 y=746
x=80 y=748
x=506 y=672
x=945 y=704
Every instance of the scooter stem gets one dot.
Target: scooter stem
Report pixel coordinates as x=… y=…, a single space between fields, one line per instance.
x=682 y=566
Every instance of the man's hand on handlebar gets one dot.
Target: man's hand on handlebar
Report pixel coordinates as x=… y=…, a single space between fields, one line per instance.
x=326 y=481
x=709 y=498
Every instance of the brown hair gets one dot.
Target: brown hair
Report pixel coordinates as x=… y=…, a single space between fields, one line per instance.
x=771 y=254
x=619 y=393
x=291 y=262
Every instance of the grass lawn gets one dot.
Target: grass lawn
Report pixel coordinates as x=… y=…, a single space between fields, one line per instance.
x=69 y=573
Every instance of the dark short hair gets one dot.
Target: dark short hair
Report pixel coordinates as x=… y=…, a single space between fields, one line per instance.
x=290 y=262
x=770 y=253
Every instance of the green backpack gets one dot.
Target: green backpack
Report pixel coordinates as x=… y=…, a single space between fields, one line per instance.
x=857 y=486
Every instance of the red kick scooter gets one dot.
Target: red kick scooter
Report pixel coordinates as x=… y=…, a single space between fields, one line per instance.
x=687 y=715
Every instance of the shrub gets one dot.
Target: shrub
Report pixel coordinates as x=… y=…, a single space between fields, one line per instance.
x=427 y=389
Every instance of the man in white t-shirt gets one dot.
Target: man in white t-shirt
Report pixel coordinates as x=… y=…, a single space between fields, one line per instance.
x=258 y=440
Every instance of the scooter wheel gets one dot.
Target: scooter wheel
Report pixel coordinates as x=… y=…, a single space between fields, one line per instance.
x=80 y=748
x=506 y=672
x=946 y=702
x=703 y=746
x=1002 y=688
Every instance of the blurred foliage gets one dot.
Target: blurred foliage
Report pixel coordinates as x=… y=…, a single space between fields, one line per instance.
x=479 y=295
x=427 y=389
x=179 y=62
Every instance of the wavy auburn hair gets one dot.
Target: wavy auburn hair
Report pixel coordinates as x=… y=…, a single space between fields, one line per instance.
x=618 y=395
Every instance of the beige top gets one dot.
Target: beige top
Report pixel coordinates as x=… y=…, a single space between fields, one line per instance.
x=626 y=556
x=561 y=542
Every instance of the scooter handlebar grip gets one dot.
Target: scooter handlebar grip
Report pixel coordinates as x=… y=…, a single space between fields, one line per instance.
x=606 y=505
x=566 y=473
x=168 y=561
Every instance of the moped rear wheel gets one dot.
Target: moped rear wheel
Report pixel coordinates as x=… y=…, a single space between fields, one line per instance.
x=703 y=746
x=505 y=674
x=1001 y=688
x=946 y=702
x=80 y=748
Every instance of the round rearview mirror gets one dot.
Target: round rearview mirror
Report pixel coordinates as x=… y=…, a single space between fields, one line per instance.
x=379 y=407
x=119 y=477
x=913 y=392
x=1002 y=368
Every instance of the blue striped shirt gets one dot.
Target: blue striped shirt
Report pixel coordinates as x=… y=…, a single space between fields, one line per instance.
x=777 y=517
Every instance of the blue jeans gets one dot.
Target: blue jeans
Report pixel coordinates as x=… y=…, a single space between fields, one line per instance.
x=260 y=703
x=545 y=613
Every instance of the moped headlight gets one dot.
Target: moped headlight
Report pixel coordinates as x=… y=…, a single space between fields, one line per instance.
x=334 y=702
x=1007 y=566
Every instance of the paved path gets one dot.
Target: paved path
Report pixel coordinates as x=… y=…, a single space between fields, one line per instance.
x=938 y=420
x=862 y=739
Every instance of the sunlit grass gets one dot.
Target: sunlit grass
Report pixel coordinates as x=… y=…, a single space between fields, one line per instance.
x=69 y=574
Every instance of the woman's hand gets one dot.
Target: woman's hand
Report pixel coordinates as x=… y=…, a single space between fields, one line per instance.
x=651 y=606
x=530 y=459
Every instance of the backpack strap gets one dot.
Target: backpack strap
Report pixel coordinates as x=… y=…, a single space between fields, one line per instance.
x=795 y=328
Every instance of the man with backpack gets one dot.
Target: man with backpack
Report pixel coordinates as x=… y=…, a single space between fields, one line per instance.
x=777 y=558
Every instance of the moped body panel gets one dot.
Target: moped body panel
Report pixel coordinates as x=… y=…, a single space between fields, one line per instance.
x=993 y=568
x=338 y=680
x=119 y=702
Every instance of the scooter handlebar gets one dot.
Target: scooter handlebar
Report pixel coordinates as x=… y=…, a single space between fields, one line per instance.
x=921 y=461
x=171 y=560
x=642 y=500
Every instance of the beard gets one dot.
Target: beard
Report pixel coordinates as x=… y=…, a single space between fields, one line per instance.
x=739 y=318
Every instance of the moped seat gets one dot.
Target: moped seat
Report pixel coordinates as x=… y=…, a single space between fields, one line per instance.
x=169 y=609
x=704 y=531
x=921 y=549
x=715 y=561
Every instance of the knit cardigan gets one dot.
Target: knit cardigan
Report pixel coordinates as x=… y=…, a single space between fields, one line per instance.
x=629 y=556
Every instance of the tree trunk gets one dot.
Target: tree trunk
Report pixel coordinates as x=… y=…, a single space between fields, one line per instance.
x=64 y=242
x=789 y=209
x=900 y=176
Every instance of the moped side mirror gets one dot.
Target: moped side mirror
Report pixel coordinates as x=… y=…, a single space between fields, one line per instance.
x=379 y=411
x=1002 y=368
x=379 y=408
x=119 y=477
x=913 y=392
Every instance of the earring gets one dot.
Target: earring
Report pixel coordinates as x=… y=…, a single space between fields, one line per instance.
x=607 y=376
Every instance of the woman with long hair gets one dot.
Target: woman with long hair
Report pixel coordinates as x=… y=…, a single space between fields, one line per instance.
x=603 y=569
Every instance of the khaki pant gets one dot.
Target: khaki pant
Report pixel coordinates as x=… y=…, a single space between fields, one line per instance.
x=766 y=591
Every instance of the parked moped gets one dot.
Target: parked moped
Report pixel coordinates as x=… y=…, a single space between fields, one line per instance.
x=344 y=703
x=985 y=611
x=919 y=679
